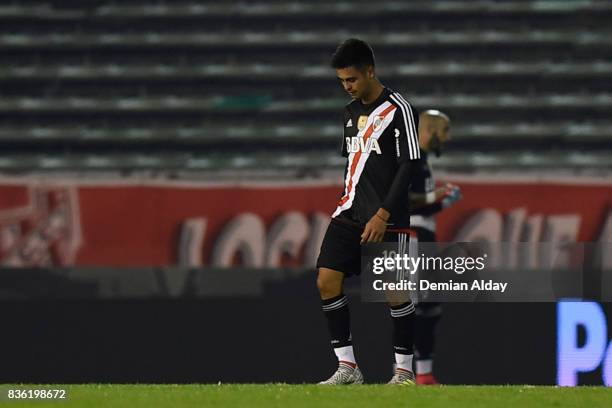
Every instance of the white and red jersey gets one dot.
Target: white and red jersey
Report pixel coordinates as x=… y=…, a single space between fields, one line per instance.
x=377 y=138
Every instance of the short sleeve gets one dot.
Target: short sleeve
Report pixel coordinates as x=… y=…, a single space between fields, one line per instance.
x=406 y=122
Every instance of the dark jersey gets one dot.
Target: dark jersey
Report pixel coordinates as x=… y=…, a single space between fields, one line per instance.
x=422 y=182
x=378 y=139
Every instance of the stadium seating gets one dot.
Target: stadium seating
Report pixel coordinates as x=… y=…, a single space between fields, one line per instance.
x=207 y=85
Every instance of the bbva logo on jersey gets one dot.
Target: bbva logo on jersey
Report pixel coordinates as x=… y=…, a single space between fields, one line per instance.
x=357 y=144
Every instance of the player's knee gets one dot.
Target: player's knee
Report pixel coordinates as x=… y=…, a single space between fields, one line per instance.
x=395 y=303
x=397 y=298
x=328 y=287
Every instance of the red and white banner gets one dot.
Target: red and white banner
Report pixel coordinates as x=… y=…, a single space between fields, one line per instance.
x=151 y=223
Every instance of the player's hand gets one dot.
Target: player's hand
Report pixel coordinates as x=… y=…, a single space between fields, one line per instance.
x=452 y=195
x=442 y=191
x=375 y=229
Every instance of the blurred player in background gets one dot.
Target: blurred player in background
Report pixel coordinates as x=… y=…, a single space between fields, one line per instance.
x=425 y=201
x=381 y=145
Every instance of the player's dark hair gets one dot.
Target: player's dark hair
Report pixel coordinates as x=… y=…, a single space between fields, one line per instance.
x=353 y=53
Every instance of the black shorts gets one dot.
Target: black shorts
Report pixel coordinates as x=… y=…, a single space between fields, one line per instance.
x=341 y=247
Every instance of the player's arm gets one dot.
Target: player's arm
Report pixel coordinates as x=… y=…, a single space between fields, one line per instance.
x=435 y=201
x=418 y=200
x=375 y=229
x=406 y=124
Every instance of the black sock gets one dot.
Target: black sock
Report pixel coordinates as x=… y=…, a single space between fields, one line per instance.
x=427 y=317
x=403 y=328
x=338 y=320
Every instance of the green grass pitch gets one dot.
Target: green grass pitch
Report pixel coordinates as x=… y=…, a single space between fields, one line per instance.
x=285 y=395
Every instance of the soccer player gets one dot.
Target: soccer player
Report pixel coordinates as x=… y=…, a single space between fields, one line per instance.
x=381 y=145
x=425 y=202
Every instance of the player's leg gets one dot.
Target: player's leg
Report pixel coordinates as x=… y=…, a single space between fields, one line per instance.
x=403 y=316
x=427 y=317
x=336 y=311
x=340 y=254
